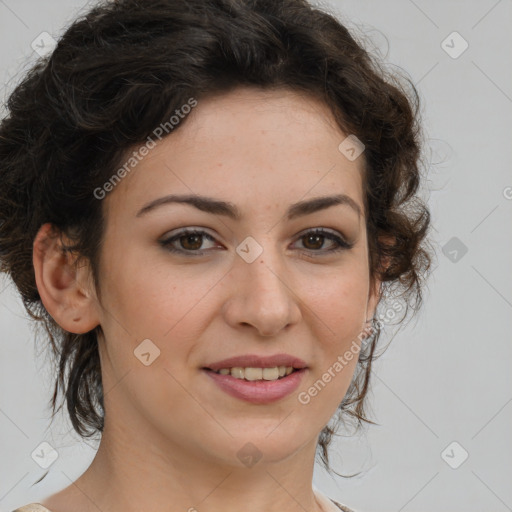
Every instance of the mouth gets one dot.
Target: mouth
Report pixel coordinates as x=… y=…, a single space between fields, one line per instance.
x=257 y=367
x=257 y=379
x=252 y=374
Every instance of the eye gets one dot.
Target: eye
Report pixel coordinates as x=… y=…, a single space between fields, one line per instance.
x=314 y=240
x=191 y=240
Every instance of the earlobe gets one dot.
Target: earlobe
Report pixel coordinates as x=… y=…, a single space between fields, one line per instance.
x=64 y=287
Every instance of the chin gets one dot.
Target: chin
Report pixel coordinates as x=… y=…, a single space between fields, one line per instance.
x=263 y=445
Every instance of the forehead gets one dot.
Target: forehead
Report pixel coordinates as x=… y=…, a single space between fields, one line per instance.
x=250 y=147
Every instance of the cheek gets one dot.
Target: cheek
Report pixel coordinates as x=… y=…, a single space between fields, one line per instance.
x=320 y=396
x=169 y=306
x=338 y=307
x=152 y=297
x=337 y=302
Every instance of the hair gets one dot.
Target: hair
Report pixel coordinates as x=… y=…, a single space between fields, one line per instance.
x=122 y=69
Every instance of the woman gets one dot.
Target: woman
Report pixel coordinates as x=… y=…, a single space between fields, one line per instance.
x=204 y=204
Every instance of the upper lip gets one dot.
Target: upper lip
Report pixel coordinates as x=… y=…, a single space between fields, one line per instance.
x=256 y=361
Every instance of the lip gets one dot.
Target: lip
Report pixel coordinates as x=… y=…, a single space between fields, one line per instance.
x=257 y=392
x=256 y=361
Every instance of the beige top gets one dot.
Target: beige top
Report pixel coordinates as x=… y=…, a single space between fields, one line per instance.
x=33 y=507
x=327 y=504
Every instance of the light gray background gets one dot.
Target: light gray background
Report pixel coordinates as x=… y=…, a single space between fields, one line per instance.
x=446 y=376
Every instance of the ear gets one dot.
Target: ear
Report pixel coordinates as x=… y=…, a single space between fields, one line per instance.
x=65 y=289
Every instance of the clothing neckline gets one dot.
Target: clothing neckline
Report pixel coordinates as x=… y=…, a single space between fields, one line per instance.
x=32 y=507
x=325 y=502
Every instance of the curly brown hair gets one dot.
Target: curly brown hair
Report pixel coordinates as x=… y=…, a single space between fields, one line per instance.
x=122 y=69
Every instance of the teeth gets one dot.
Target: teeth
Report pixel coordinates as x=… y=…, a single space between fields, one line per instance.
x=257 y=373
x=253 y=373
x=270 y=373
x=237 y=372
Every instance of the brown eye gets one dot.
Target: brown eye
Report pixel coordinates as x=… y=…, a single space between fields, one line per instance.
x=187 y=242
x=191 y=242
x=314 y=240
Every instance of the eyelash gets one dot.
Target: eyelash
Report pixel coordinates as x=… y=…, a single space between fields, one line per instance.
x=342 y=245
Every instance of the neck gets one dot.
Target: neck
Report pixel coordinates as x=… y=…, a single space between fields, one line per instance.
x=149 y=473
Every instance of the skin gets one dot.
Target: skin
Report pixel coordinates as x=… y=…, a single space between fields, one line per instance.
x=171 y=435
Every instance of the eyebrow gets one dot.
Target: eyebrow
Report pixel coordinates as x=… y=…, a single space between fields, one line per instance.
x=217 y=207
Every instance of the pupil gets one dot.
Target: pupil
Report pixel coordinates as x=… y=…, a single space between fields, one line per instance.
x=192 y=237
x=317 y=237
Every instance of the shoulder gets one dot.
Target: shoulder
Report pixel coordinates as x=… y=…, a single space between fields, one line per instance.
x=32 y=507
x=342 y=507
x=328 y=504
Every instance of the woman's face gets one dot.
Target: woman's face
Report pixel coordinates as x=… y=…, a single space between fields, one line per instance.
x=260 y=285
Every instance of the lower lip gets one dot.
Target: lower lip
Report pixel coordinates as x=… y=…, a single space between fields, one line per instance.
x=258 y=391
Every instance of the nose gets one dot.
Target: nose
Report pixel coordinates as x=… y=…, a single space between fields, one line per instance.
x=262 y=296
